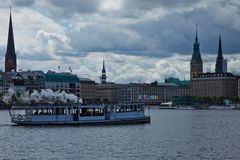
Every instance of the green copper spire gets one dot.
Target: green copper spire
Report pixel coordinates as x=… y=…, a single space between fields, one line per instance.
x=196 y=38
x=196 y=65
x=196 y=56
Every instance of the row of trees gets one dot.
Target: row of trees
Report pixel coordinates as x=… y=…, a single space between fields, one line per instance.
x=216 y=100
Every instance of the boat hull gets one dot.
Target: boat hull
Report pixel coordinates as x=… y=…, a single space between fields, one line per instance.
x=144 y=119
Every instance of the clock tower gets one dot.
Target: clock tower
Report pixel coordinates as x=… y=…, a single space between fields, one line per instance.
x=196 y=65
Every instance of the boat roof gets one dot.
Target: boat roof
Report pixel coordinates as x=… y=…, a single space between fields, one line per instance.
x=40 y=106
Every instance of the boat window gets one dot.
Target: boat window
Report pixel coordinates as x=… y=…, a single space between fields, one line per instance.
x=60 y=111
x=35 y=111
x=91 y=112
x=54 y=110
x=98 y=112
x=128 y=108
x=45 y=111
x=65 y=111
x=117 y=109
x=40 y=111
x=50 y=110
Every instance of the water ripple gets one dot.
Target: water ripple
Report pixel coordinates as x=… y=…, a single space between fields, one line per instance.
x=172 y=134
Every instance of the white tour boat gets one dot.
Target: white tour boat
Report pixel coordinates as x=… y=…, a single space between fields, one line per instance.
x=79 y=114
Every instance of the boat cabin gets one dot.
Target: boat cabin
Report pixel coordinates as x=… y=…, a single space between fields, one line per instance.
x=75 y=113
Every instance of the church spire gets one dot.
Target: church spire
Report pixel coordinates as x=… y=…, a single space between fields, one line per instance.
x=103 y=77
x=103 y=69
x=219 y=61
x=220 y=47
x=10 y=56
x=196 y=37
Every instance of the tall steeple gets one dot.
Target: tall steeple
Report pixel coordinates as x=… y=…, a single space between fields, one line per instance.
x=10 y=56
x=196 y=65
x=219 y=61
x=103 y=77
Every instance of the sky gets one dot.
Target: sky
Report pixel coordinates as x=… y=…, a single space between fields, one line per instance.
x=140 y=40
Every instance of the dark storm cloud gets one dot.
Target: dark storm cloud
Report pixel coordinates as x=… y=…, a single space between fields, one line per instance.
x=66 y=8
x=149 y=4
x=172 y=32
x=23 y=2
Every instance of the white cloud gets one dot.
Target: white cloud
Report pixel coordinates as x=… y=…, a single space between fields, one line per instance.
x=138 y=39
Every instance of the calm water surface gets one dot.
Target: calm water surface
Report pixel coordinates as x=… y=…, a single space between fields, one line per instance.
x=172 y=134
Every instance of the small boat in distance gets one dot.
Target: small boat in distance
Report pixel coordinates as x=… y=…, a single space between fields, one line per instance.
x=166 y=105
x=79 y=114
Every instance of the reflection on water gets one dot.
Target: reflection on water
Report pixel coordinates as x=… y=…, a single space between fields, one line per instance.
x=172 y=134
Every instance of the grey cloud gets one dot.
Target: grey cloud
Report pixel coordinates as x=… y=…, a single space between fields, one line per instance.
x=67 y=8
x=160 y=37
x=23 y=2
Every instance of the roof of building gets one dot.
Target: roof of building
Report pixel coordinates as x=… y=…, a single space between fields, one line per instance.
x=208 y=75
x=61 y=77
x=167 y=84
x=32 y=75
x=85 y=79
x=177 y=81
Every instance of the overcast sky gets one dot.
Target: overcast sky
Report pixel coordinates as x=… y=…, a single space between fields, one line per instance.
x=140 y=40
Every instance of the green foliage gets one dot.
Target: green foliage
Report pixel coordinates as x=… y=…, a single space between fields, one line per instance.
x=210 y=100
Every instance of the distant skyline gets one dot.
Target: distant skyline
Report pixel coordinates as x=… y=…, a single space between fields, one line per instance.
x=141 y=41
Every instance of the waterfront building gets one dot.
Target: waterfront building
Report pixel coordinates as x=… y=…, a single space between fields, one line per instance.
x=214 y=85
x=5 y=82
x=196 y=64
x=170 y=90
x=153 y=93
x=10 y=56
x=33 y=80
x=88 y=90
x=218 y=84
x=107 y=93
x=183 y=86
x=17 y=82
x=67 y=82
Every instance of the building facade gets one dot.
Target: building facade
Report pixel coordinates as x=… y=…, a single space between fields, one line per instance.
x=214 y=85
x=107 y=93
x=33 y=80
x=5 y=82
x=88 y=91
x=67 y=82
x=17 y=82
x=153 y=93
x=183 y=86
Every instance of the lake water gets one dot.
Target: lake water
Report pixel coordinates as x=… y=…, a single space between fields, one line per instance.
x=172 y=134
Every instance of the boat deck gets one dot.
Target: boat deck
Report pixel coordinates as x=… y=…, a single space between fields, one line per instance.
x=144 y=119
